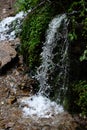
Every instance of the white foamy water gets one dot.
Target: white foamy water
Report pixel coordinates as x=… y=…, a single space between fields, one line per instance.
x=7 y=30
x=40 y=106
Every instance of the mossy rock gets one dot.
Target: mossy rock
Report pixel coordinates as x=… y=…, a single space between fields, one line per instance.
x=33 y=32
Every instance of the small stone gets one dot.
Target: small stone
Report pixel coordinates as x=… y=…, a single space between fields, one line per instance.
x=46 y=127
x=22 y=85
x=20 y=60
x=11 y=100
x=6 y=89
x=20 y=68
x=25 y=77
x=7 y=53
x=11 y=54
x=4 y=11
x=16 y=73
x=12 y=84
x=2 y=102
x=9 y=125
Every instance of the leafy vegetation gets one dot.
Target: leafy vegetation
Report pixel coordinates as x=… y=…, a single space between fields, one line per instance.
x=32 y=34
x=79 y=10
x=25 y=5
x=77 y=91
x=78 y=19
x=83 y=56
x=78 y=101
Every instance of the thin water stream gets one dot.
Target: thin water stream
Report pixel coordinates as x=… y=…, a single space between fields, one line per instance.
x=40 y=105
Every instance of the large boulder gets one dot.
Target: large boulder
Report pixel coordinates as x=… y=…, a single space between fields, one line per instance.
x=7 y=54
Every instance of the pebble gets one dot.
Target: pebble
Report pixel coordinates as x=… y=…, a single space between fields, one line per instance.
x=12 y=84
x=2 y=102
x=11 y=100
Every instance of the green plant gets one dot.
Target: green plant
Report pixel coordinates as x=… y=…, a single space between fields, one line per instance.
x=83 y=56
x=78 y=17
x=72 y=34
x=25 y=5
x=78 y=97
x=32 y=34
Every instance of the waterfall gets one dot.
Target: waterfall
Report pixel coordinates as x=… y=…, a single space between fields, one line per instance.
x=52 y=74
x=55 y=46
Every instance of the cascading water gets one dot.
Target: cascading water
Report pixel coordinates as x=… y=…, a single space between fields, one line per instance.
x=10 y=26
x=52 y=73
x=57 y=31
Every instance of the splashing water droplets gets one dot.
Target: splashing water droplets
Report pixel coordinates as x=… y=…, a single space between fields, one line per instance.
x=40 y=105
x=7 y=27
x=47 y=54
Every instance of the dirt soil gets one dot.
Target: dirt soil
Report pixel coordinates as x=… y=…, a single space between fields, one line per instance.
x=12 y=88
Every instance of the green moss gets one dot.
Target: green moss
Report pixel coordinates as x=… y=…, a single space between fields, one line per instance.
x=32 y=36
x=77 y=97
x=78 y=18
x=24 y=5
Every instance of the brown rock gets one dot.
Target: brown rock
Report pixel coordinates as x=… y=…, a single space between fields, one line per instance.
x=6 y=8
x=9 y=125
x=7 y=53
x=11 y=100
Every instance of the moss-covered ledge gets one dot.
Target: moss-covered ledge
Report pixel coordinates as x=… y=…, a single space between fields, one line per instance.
x=33 y=32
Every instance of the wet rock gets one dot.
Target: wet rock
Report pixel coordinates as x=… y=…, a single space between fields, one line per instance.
x=66 y=122
x=15 y=43
x=9 y=125
x=11 y=100
x=7 y=54
x=16 y=73
x=28 y=84
x=82 y=121
x=46 y=128
x=20 y=60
